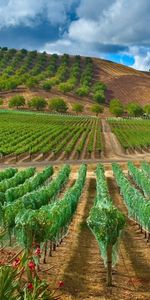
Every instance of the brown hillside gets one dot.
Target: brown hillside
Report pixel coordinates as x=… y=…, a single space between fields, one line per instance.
x=123 y=82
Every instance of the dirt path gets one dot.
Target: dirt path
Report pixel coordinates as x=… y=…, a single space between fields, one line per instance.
x=85 y=270
x=133 y=270
x=112 y=148
x=77 y=260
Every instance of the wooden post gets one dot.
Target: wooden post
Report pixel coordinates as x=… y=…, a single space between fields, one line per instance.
x=109 y=265
x=54 y=246
x=45 y=252
x=50 y=249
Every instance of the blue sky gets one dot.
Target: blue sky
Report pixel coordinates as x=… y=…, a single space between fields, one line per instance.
x=117 y=30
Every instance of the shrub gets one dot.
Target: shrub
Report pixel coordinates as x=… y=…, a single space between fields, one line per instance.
x=116 y=107
x=57 y=105
x=47 y=85
x=1 y=101
x=77 y=107
x=65 y=87
x=117 y=111
x=98 y=109
x=134 y=110
x=17 y=101
x=38 y=103
x=99 y=96
x=98 y=86
x=83 y=91
x=31 y=82
x=147 y=109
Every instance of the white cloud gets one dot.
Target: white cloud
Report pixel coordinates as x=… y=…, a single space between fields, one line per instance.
x=29 y=12
x=66 y=45
x=141 y=57
x=117 y=22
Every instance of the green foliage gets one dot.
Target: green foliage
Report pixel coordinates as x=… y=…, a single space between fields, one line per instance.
x=65 y=87
x=97 y=109
x=83 y=91
x=134 y=110
x=8 y=284
x=116 y=107
x=137 y=205
x=47 y=85
x=31 y=82
x=1 y=101
x=117 y=111
x=131 y=133
x=17 y=101
x=98 y=86
x=57 y=105
x=77 y=107
x=147 y=109
x=38 y=103
x=105 y=220
x=99 y=96
x=8 y=83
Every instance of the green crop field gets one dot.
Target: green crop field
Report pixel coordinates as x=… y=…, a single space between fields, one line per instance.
x=132 y=134
x=49 y=135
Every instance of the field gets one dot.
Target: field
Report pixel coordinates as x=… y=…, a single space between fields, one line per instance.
x=37 y=137
x=69 y=253
x=74 y=187
x=132 y=134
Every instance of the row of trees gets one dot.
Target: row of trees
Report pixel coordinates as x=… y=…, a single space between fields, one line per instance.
x=54 y=104
x=132 y=109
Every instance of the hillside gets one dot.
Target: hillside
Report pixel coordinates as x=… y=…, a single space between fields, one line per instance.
x=123 y=82
x=71 y=77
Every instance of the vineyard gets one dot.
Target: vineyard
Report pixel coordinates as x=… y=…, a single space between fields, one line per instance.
x=26 y=137
x=132 y=134
x=45 y=214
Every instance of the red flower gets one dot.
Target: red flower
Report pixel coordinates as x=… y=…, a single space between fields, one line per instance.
x=31 y=265
x=38 y=251
x=30 y=286
x=16 y=262
x=60 y=284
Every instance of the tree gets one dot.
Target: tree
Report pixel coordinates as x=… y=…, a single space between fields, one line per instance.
x=147 y=109
x=38 y=103
x=116 y=107
x=47 y=86
x=57 y=105
x=114 y=102
x=98 y=109
x=77 y=107
x=17 y=101
x=134 y=110
x=98 y=86
x=31 y=82
x=99 y=96
x=65 y=87
x=1 y=101
x=117 y=111
x=83 y=91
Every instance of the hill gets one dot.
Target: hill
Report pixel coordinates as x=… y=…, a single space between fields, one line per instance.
x=123 y=82
x=74 y=78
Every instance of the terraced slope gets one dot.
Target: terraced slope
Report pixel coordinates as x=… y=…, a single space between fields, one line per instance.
x=123 y=82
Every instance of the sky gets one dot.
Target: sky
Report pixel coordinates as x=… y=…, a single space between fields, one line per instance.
x=116 y=30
